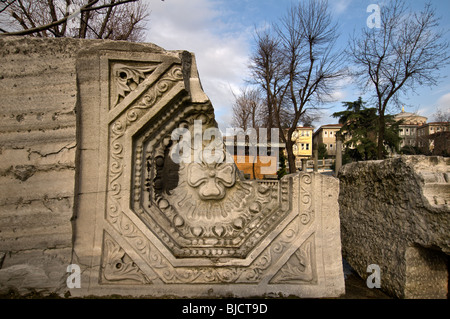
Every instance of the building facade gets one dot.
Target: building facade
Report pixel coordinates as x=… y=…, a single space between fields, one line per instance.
x=303 y=145
x=303 y=142
x=254 y=161
x=434 y=138
x=408 y=128
x=326 y=134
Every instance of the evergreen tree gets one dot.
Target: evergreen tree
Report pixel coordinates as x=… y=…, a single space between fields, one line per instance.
x=359 y=131
x=322 y=151
x=282 y=171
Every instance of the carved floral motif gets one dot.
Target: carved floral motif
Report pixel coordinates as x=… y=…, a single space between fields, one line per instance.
x=211 y=179
x=118 y=266
x=300 y=266
x=127 y=78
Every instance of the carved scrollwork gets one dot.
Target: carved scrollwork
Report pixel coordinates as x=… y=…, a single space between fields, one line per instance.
x=117 y=265
x=155 y=92
x=300 y=268
x=127 y=78
x=306 y=202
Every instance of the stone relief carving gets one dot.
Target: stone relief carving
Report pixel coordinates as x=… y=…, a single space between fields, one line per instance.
x=197 y=210
x=127 y=78
x=211 y=180
x=205 y=209
x=196 y=222
x=117 y=266
x=300 y=266
x=307 y=213
x=167 y=273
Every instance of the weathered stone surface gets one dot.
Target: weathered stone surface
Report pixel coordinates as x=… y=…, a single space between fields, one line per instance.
x=395 y=213
x=37 y=161
x=88 y=177
x=149 y=225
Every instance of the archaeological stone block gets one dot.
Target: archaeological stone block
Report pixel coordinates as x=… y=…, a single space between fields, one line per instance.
x=125 y=184
x=151 y=225
x=395 y=214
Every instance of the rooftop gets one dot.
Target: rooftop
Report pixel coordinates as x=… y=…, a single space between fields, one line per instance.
x=404 y=114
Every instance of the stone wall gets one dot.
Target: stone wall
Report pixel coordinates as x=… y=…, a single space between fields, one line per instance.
x=395 y=213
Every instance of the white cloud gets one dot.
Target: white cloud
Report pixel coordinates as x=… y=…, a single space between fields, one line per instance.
x=340 y=5
x=444 y=102
x=429 y=110
x=343 y=88
x=221 y=49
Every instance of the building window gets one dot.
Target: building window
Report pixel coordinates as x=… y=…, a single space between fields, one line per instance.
x=303 y=146
x=331 y=133
x=326 y=133
x=307 y=146
x=401 y=131
x=331 y=146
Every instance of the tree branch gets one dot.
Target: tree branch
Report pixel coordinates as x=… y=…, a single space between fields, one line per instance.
x=105 y=20
x=7 y=5
x=86 y=8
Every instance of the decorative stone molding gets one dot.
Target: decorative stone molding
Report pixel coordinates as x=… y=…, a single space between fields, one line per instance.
x=150 y=225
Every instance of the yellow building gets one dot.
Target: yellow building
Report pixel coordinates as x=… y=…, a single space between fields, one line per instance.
x=302 y=148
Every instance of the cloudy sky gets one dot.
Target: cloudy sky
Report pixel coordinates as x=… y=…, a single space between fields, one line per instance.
x=220 y=33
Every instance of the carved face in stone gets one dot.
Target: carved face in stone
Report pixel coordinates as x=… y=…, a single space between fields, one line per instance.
x=211 y=180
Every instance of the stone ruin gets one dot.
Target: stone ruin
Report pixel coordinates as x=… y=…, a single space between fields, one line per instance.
x=396 y=214
x=88 y=181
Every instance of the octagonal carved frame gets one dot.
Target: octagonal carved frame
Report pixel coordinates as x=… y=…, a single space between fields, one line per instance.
x=155 y=228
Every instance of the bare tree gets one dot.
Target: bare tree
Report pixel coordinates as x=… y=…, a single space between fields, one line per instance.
x=268 y=71
x=308 y=36
x=300 y=66
x=442 y=115
x=95 y=19
x=405 y=52
x=248 y=116
x=309 y=118
x=248 y=109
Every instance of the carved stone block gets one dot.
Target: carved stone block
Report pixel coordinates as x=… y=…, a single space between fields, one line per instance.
x=150 y=223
